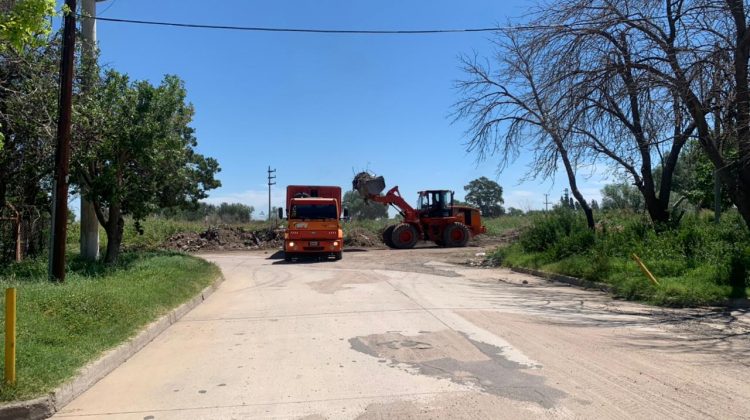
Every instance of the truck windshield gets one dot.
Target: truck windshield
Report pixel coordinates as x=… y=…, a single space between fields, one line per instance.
x=314 y=211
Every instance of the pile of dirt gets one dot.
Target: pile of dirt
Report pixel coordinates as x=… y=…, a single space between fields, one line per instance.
x=358 y=237
x=225 y=238
x=367 y=184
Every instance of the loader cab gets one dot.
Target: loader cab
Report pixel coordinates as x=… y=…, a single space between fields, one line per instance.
x=435 y=203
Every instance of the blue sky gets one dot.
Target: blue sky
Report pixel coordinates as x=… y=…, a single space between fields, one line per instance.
x=319 y=108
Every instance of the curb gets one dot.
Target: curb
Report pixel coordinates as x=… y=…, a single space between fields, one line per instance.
x=732 y=303
x=45 y=407
x=573 y=281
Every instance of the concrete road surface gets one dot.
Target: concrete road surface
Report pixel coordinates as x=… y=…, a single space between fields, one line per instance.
x=406 y=334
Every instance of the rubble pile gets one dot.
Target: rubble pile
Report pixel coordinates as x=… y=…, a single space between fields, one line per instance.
x=225 y=238
x=358 y=237
x=367 y=184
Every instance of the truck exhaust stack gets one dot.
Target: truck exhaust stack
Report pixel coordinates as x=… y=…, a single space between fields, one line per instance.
x=367 y=184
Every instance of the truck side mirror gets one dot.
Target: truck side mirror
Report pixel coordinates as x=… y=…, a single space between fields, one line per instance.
x=281 y=213
x=346 y=213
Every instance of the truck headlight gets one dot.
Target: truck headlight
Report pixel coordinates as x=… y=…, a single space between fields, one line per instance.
x=291 y=244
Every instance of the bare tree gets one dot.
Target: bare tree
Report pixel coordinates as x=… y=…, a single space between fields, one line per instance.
x=522 y=106
x=628 y=82
x=700 y=50
x=625 y=116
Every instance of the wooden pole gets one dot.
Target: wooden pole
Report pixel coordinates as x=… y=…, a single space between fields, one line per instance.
x=62 y=154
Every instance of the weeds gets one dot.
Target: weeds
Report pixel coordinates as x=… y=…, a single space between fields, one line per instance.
x=697 y=262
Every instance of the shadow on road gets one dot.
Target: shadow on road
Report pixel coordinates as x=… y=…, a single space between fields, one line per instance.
x=301 y=260
x=278 y=255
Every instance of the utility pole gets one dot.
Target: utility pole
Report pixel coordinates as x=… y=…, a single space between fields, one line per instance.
x=546 y=203
x=271 y=178
x=59 y=229
x=89 y=240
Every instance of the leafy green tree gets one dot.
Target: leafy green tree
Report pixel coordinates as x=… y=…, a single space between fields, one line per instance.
x=135 y=152
x=25 y=23
x=223 y=213
x=622 y=196
x=28 y=109
x=512 y=211
x=359 y=210
x=28 y=101
x=694 y=178
x=234 y=212
x=486 y=195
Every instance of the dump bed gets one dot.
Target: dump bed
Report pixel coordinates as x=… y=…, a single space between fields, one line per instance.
x=312 y=191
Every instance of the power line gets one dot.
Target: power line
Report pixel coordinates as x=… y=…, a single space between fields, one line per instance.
x=108 y=7
x=572 y=25
x=299 y=30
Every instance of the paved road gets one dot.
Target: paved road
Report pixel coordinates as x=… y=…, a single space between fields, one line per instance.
x=387 y=334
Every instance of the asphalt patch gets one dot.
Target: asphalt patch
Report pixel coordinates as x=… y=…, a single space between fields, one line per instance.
x=452 y=355
x=340 y=282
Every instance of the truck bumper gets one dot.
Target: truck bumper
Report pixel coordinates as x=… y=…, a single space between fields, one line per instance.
x=318 y=246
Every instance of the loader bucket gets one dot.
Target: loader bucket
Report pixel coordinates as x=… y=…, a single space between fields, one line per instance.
x=367 y=184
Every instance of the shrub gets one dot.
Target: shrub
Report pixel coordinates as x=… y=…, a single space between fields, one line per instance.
x=549 y=229
x=540 y=236
x=739 y=267
x=696 y=262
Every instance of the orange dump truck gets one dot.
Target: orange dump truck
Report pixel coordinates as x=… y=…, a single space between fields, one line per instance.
x=313 y=222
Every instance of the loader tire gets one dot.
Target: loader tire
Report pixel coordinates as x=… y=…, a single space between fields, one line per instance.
x=456 y=235
x=404 y=236
x=387 y=236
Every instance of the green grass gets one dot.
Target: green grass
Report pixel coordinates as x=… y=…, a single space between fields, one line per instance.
x=696 y=263
x=155 y=231
x=62 y=327
x=499 y=225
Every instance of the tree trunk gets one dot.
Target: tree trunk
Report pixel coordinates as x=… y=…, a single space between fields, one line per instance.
x=658 y=210
x=114 y=228
x=740 y=194
x=3 y=189
x=574 y=186
x=739 y=181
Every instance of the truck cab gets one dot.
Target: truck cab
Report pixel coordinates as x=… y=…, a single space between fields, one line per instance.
x=313 y=222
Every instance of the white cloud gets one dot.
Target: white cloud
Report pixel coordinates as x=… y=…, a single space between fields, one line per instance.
x=522 y=193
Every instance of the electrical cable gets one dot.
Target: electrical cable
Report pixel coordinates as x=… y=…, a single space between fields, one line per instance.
x=107 y=8
x=297 y=30
x=358 y=31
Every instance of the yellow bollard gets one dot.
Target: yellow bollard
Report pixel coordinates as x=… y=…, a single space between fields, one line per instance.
x=10 y=336
x=645 y=270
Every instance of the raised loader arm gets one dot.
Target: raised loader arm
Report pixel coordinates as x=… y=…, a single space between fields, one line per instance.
x=370 y=188
x=393 y=198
